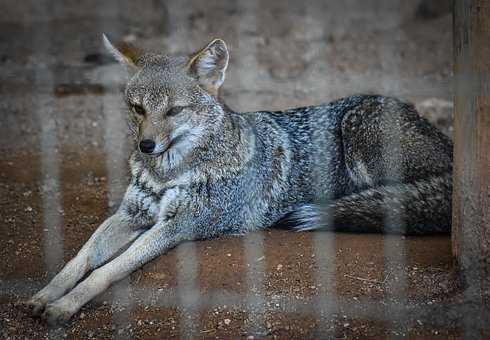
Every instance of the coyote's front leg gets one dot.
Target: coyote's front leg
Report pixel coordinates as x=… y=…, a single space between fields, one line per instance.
x=166 y=233
x=113 y=234
x=153 y=242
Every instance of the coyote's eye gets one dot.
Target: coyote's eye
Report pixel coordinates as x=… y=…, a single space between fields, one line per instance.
x=139 y=110
x=175 y=110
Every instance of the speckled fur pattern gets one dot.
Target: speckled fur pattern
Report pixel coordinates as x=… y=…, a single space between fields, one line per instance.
x=389 y=171
x=364 y=163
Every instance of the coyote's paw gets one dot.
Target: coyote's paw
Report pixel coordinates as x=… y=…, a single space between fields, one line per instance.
x=35 y=305
x=57 y=314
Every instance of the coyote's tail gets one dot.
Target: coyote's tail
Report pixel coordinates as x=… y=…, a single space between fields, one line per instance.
x=422 y=207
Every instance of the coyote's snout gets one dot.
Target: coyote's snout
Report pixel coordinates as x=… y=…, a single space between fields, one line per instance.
x=200 y=170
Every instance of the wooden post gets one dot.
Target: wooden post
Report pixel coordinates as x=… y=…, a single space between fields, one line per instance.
x=471 y=191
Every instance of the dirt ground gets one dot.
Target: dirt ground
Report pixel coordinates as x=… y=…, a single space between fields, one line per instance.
x=63 y=151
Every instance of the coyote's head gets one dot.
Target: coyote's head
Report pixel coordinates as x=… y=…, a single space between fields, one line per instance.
x=172 y=100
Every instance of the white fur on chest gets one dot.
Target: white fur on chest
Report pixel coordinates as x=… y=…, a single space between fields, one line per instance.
x=155 y=197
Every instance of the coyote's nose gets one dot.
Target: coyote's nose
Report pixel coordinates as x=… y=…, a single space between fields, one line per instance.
x=147 y=146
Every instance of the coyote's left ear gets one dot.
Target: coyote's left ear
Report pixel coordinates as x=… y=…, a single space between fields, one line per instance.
x=209 y=65
x=125 y=54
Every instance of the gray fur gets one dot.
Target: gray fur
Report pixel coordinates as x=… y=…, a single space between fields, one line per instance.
x=218 y=172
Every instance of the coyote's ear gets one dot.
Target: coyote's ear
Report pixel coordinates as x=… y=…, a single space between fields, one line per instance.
x=125 y=54
x=209 y=65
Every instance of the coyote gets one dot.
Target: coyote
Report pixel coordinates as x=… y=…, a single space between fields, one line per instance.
x=199 y=170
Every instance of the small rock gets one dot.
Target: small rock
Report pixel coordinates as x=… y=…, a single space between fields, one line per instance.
x=279 y=266
x=82 y=315
x=227 y=321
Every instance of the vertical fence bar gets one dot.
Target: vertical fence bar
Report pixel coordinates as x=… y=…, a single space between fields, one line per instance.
x=253 y=242
x=394 y=246
x=254 y=252
x=115 y=150
x=326 y=302
x=188 y=289
x=471 y=179
x=324 y=242
x=189 y=301
x=50 y=163
x=46 y=114
x=314 y=25
x=116 y=158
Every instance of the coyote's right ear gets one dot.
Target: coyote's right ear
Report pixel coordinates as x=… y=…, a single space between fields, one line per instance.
x=125 y=54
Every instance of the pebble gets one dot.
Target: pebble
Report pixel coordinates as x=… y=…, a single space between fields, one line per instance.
x=227 y=321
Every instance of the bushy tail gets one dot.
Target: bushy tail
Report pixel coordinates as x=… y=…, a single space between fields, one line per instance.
x=422 y=207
